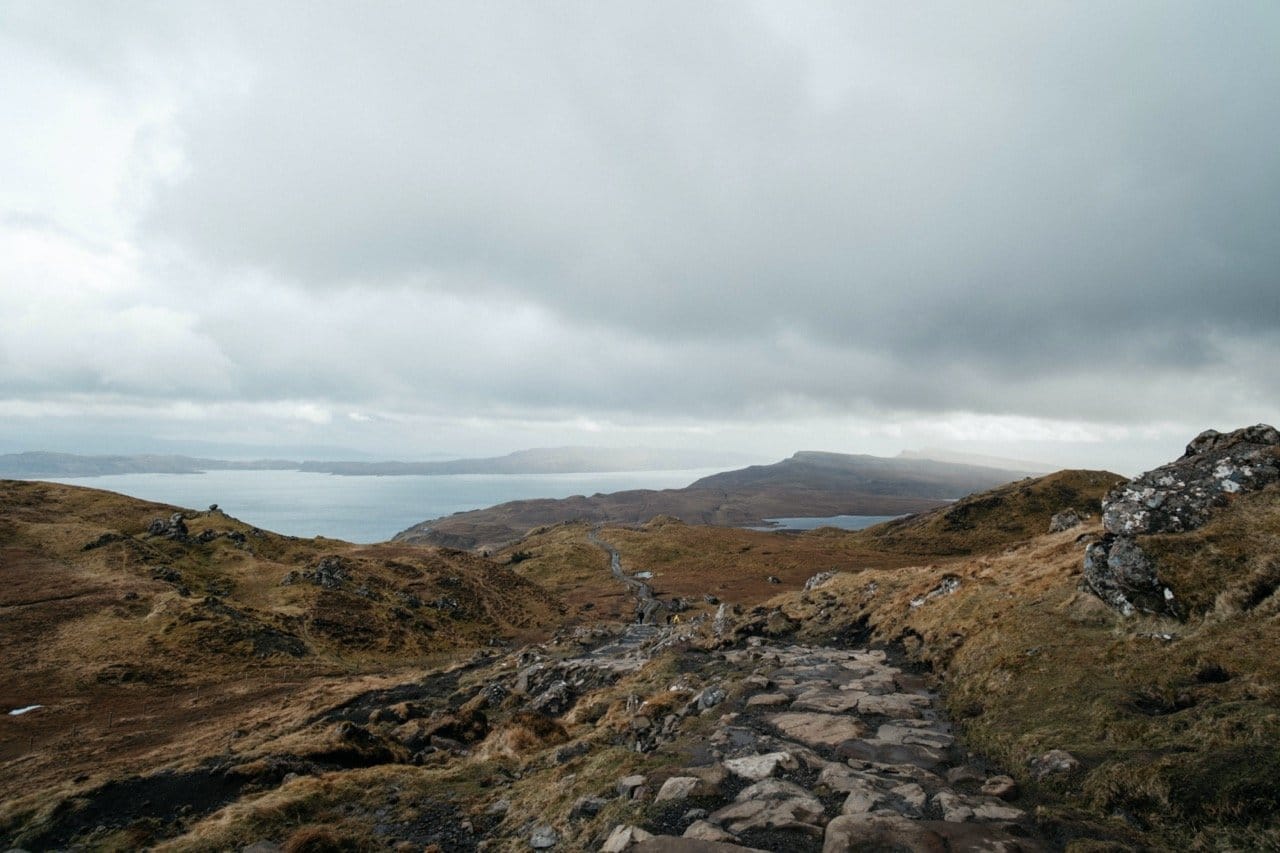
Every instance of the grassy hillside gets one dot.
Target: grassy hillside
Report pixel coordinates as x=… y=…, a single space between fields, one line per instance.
x=1005 y=515
x=143 y=645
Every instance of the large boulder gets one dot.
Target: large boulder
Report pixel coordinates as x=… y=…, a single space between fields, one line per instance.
x=1173 y=498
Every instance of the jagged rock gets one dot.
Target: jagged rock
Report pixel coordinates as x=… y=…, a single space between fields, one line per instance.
x=1119 y=572
x=953 y=807
x=818 y=580
x=329 y=573
x=543 y=838
x=677 y=788
x=166 y=574
x=912 y=796
x=800 y=811
x=624 y=837
x=948 y=585
x=720 y=625
x=757 y=767
x=710 y=697
x=1052 y=762
x=862 y=797
x=627 y=786
x=1064 y=520
x=174 y=527
x=1173 y=498
x=555 y=700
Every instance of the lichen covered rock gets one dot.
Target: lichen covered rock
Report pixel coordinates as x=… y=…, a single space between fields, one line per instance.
x=1174 y=498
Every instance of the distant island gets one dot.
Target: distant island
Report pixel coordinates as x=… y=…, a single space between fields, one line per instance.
x=808 y=484
x=545 y=460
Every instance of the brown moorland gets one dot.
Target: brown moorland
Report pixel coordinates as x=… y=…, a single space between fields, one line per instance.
x=1173 y=722
x=156 y=650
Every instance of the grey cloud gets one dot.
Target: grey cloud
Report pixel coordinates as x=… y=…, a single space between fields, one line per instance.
x=1074 y=167
x=715 y=209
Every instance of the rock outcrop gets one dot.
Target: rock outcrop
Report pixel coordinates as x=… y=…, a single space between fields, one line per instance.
x=1174 y=498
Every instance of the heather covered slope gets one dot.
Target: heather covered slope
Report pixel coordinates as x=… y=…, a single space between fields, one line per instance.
x=807 y=484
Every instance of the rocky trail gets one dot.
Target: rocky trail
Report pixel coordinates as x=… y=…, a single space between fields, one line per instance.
x=749 y=742
x=824 y=749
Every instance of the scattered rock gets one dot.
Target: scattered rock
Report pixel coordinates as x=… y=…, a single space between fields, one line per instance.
x=624 y=837
x=1064 y=520
x=1053 y=762
x=1000 y=786
x=677 y=788
x=818 y=580
x=543 y=838
x=586 y=806
x=948 y=585
x=710 y=697
x=627 y=786
x=174 y=527
x=104 y=539
x=704 y=831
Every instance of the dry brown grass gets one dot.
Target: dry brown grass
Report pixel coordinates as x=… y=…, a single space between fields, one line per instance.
x=135 y=674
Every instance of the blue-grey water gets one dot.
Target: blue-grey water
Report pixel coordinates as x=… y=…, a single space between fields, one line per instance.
x=365 y=509
x=844 y=522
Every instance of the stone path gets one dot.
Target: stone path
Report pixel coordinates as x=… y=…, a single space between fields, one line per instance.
x=827 y=750
x=649 y=610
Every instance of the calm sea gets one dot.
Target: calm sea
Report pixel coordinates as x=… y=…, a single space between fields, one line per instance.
x=365 y=509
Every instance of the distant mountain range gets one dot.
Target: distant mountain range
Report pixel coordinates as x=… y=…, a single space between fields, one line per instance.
x=551 y=460
x=807 y=484
x=33 y=464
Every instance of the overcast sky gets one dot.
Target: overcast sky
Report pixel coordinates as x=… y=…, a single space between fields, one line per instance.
x=414 y=229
